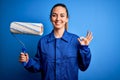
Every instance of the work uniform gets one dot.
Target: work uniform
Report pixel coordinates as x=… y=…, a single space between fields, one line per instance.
x=60 y=58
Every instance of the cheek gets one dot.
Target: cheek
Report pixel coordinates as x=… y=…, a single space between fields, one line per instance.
x=65 y=20
x=53 y=19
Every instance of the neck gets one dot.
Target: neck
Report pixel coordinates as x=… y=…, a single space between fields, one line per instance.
x=59 y=32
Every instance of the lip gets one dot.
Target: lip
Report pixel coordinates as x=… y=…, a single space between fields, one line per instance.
x=57 y=23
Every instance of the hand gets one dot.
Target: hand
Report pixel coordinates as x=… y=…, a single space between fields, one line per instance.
x=86 y=40
x=24 y=57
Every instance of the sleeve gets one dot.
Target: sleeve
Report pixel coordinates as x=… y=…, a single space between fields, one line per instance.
x=34 y=64
x=84 y=57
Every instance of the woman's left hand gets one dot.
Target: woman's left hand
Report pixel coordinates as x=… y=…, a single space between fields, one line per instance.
x=86 y=40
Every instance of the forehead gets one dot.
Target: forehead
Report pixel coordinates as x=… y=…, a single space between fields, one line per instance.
x=59 y=9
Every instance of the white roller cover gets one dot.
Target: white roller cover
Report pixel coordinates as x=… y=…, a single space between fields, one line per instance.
x=26 y=28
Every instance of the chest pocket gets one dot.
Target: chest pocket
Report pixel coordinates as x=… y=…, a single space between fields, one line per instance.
x=70 y=51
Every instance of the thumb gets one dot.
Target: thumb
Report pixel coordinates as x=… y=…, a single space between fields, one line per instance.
x=27 y=57
x=81 y=39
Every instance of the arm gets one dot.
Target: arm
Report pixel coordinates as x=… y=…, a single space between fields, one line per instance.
x=84 y=54
x=84 y=57
x=32 y=64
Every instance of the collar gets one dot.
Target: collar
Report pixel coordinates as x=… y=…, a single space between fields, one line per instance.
x=65 y=37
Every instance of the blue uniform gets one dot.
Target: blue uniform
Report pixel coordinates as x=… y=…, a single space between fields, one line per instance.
x=60 y=58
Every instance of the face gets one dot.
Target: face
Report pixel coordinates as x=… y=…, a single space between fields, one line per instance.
x=59 y=17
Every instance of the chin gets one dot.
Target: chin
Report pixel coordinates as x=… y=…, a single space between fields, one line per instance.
x=58 y=27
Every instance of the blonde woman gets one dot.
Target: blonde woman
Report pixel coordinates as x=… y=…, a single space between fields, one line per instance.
x=60 y=54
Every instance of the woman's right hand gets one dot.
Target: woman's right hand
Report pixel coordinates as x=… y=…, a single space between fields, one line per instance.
x=24 y=57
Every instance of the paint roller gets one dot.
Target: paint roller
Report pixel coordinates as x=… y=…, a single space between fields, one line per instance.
x=25 y=28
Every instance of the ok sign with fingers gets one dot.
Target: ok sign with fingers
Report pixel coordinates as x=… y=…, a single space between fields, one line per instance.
x=86 y=40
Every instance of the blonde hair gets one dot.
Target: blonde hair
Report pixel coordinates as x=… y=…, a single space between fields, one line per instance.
x=66 y=26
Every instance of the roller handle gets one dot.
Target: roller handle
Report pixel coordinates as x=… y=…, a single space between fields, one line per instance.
x=24 y=51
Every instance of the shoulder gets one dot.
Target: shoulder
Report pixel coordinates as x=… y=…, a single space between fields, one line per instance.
x=73 y=35
x=43 y=40
x=45 y=37
x=73 y=39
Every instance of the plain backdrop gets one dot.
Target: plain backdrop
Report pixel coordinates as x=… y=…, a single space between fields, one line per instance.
x=102 y=17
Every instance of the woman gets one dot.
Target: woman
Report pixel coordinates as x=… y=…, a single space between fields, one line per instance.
x=60 y=54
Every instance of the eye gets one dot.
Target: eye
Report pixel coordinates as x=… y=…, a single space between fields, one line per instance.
x=53 y=15
x=62 y=15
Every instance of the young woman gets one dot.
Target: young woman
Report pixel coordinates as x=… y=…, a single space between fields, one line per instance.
x=60 y=54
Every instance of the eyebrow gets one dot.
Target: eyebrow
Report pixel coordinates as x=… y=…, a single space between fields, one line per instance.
x=56 y=13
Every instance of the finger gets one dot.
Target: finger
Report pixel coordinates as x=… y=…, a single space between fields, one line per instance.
x=83 y=41
x=26 y=54
x=91 y=38
x=27 y=57
x=82 y=38
x=87 y=32
x=89 y=35
x=22 y=59
x=22 y=54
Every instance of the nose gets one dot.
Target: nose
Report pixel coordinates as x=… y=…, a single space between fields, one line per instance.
x=58 y=18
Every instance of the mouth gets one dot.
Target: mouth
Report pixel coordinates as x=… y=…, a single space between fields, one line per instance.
x=57 y=23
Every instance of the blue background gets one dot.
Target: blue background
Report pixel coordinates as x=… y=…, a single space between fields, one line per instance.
x=102 y=17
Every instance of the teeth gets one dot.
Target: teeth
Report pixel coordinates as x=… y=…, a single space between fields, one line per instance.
x=58 y=23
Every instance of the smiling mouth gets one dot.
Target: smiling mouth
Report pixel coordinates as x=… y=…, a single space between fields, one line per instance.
x=57 y=23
